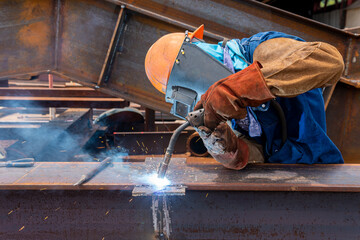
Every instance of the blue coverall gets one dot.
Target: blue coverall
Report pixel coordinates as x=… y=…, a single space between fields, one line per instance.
x=307 y=141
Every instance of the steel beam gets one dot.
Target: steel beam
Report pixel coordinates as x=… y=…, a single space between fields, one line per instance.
x=209 y=215
x=113 y=48
x=54 y=92
x=204 y=176
x=80 y=51
x=269 y=201
x=73 y=102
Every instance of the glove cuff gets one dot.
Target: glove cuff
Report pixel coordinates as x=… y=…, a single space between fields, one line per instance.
x=234 y=160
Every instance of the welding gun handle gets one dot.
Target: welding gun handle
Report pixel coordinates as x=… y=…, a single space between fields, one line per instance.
x=196 y=118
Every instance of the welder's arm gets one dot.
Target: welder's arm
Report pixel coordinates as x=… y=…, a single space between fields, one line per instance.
x=293 y=67
x=228 y=98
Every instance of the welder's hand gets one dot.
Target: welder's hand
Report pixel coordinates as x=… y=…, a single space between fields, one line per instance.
x=227 y=98
x=224 y=146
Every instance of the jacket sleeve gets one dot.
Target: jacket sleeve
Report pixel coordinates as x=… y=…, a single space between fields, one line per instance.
x=293 y=67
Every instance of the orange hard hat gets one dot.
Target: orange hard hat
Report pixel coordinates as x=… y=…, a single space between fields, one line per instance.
x=162 y=54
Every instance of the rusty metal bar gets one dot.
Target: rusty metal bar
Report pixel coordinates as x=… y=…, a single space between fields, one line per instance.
x=72 y=102
x=54 y=92
x=113 y=47
x=57 y=32
x=149 y=119
x=196 y=177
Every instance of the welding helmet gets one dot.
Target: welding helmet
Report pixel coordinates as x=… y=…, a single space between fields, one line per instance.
x=161 y=56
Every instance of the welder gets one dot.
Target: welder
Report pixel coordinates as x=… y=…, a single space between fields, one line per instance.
x=240 y=125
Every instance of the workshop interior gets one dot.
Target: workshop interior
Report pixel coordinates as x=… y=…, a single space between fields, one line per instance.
x=92 y=148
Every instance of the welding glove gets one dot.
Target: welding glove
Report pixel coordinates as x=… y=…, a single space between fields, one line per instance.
x=228 y=98
x=224 y=146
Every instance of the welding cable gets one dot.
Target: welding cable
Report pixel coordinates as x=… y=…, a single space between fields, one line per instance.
x=170 y=149
x=281 y=116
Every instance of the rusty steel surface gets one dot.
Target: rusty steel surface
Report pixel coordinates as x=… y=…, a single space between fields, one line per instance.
x=70 y=102
x=207 y=176
x=85 y=41
x=53 y=92
x=75 y=39
x=343 y=121
x=211 y=215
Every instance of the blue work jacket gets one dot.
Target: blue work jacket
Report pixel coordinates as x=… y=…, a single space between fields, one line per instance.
x=307 y=141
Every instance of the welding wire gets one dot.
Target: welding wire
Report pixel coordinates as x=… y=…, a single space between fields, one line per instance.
x=170 y=149
x=102 y=165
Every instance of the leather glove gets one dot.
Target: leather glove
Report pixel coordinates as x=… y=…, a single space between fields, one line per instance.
x=224 y=146
x=228 y=98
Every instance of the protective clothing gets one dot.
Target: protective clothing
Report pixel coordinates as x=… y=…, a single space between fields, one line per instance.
x=224 y=146
x=305 y=114
x=293 y=67
x=229 y=97
x=161 y=57
x=217 y=51
x=228 y=149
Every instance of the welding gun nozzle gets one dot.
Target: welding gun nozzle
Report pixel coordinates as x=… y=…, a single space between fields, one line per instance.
x=162 y=170
x=164 y=165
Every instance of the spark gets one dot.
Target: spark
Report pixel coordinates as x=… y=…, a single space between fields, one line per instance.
x=57 y=209
x=138 y=143
x=21 y=228
x=103 y=238
x=107 y=212
x=159 y=183
x=42 y=189
x=130 y=200
x=10 y=212
x=143 y=144
x=46 y=218
x=207 y=195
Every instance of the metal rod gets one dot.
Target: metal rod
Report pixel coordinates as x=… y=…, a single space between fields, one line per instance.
x=85 y=178
x=110 y=55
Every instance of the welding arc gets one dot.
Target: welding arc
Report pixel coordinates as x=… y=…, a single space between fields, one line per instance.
x=170 y=149
x=85 y=178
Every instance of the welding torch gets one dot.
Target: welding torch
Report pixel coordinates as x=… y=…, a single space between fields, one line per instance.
x=195 y=119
